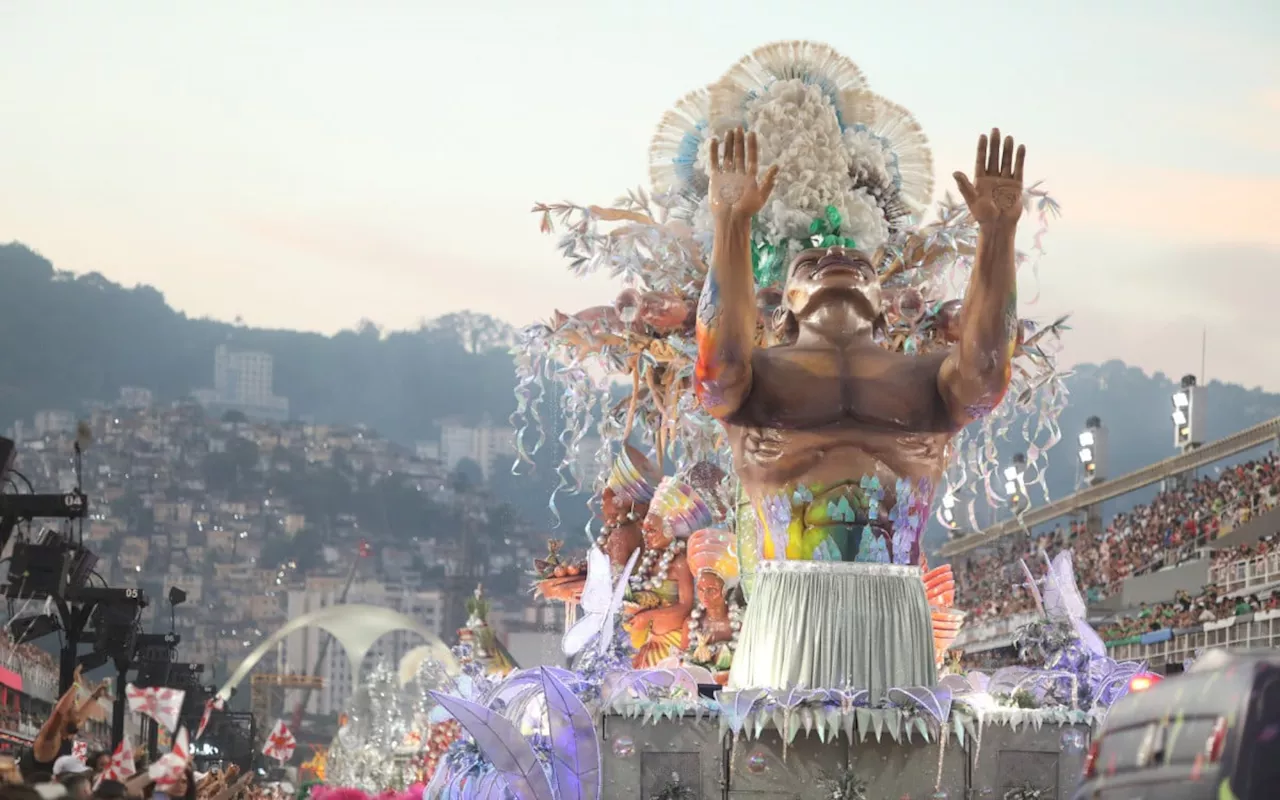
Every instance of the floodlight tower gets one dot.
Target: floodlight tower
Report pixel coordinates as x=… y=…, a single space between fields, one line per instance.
x=1188 y=415
x=1093 y=461
x=947 y=514
x=1015 y=487
x=1093 y=451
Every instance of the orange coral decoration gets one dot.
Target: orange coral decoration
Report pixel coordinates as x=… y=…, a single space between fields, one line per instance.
x=940 y=589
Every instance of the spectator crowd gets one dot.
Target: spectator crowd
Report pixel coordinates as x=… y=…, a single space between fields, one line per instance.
x=1185 y=611
x=51 y=769
x=28 y=660
x=1164 y=532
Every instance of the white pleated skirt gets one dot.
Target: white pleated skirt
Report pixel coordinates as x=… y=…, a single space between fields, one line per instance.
x=834 y=625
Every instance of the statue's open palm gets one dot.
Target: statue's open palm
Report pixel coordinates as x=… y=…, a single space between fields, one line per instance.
x=735 y=189
x=995 y=196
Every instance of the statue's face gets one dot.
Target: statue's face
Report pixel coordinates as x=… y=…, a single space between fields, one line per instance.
x=833 y=275
x=710 y=589
x=655 y=533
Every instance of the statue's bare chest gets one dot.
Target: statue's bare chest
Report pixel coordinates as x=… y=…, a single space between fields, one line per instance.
x=868 y=390
x=829 y=416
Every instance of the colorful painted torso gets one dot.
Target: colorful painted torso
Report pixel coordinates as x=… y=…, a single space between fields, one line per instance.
x=859 y=520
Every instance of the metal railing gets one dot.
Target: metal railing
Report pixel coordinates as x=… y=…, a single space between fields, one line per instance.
x=1202 y=456
x=1246 y=573
x=1254 y=631
x=972 y=637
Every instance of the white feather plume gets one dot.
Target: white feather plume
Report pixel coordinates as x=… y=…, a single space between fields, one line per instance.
x=901 y=134
x=686 y=123
x=812 y=62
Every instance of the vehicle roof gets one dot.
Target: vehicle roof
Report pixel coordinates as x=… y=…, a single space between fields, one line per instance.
x=1206 y=692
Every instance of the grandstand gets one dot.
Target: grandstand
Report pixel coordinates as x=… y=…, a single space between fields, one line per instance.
x=1197 y=567
x=28 y=690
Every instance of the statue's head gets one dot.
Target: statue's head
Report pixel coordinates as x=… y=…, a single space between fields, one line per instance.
x=676 y=512
x=710 y=590
x=622 y=542
x=617 y=509
x=655 y=531
x=822 y=278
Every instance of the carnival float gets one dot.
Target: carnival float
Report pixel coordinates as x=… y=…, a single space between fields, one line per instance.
x=753 y=615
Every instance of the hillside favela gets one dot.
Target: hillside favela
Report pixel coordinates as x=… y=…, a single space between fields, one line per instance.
x=849 y=452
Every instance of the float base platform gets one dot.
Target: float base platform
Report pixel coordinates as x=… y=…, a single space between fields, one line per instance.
x=713 y=768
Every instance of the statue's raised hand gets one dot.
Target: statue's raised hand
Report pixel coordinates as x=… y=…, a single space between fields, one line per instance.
x=735 y=190
x=995 y=196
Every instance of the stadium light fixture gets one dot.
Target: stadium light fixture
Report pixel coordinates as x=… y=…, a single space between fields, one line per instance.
x=1093 y=450
x=1014 y=486
x=949 y=510
x=1188 y=414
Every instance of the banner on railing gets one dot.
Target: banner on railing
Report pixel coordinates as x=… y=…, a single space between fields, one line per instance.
x=11 y=679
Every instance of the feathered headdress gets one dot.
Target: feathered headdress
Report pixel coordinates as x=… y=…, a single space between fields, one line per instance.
x=681 y=509
x=715 y=551
x=852 y=167
x=632 y=476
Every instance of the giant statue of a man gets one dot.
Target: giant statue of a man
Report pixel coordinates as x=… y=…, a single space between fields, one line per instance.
x=840 y=443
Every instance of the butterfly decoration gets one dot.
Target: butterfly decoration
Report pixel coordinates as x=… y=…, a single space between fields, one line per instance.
x=601 y=600
x=1062 y=601
x=573 y=770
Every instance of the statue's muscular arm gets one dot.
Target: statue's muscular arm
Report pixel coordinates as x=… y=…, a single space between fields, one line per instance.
x=975 y=375
x=726 y=324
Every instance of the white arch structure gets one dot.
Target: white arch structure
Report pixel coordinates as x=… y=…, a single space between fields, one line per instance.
x=356 y=627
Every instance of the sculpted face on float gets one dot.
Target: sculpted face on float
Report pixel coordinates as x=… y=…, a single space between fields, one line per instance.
x=655 y=532
x=710 y=589
x=834 y=286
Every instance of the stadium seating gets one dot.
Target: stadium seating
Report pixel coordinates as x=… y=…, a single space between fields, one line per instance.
x=1163 y=533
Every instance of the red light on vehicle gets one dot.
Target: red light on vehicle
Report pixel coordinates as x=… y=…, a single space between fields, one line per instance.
x=1143 y=681
x=1091 y=760
x=1217 y=740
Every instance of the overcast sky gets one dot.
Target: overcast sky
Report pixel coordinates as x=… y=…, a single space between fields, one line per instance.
x=308 y=164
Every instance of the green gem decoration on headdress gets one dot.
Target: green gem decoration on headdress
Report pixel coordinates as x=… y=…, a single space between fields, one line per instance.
x=825 y=231
x=768 y=260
